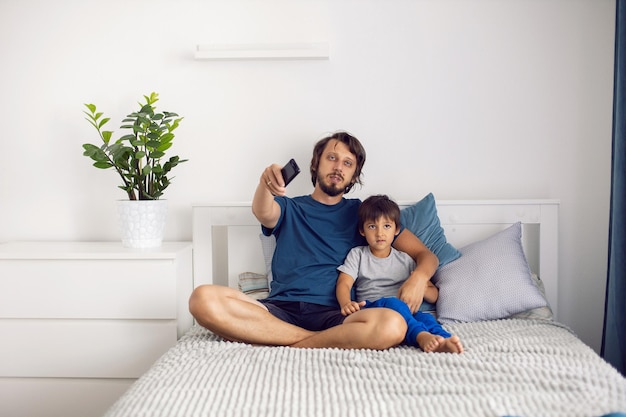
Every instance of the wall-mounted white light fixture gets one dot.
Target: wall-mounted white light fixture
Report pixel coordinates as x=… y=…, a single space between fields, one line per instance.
x=263 y=51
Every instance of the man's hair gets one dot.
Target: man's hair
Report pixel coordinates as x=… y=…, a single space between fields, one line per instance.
x=355 y=147
x=377 y=206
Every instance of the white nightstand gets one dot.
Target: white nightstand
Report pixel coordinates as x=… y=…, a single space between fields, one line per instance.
x=80 y=321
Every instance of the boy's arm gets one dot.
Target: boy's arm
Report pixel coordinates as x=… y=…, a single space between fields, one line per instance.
x=342 y=290
x=414 y=288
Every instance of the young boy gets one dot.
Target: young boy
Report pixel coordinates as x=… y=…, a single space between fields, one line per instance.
x=380 y=270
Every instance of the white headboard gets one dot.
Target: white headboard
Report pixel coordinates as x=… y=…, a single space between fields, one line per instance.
x=226 y=236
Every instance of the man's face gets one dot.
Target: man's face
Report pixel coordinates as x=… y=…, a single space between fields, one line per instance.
x=336 y=168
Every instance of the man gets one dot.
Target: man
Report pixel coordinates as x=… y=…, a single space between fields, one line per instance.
x=313 y=235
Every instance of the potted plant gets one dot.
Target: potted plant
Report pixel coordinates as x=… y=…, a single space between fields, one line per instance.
x=138 y=157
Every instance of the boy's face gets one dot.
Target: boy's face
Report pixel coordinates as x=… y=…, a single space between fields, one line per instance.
x=379 y=233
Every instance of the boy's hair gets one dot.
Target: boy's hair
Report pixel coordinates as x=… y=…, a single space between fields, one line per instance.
x=377 y=206
x=355 y=147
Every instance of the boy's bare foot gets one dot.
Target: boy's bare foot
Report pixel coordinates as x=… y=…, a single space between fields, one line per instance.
x=429 y=342
x=433 y=343
x=452 y=344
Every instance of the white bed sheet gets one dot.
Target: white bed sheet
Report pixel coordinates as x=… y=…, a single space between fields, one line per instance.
x=510 y=368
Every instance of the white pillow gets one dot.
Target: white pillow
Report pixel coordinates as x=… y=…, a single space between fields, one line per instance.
x=491 y=280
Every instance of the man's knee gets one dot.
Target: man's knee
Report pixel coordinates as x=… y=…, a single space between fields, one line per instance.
x=391 y=329
x=200 y=300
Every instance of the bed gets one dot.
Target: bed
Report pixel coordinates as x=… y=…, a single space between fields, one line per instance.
x=518 y=360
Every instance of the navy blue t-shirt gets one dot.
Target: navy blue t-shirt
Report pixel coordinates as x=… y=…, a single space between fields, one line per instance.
x=312 y=240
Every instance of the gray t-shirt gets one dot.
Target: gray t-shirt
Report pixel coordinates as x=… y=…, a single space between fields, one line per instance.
x=377 y=277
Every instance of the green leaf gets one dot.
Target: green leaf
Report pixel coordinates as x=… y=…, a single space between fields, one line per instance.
x=93 y=152
x=106 y=136
x=122 y=164
x=115 y=147
x=103 y=121
x=128 y=137
x=167 y=137
x=175 y=124
x=102 y=164
x=165 y=146
x=154 y=97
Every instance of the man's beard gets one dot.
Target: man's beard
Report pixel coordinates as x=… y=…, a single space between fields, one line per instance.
x=331 y=190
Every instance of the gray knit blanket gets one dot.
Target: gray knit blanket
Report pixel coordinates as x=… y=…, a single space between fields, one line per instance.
x=509 y=368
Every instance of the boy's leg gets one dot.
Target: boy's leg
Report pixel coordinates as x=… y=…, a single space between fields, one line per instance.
x=431 y=324
x=442 y=341
x=418 y=333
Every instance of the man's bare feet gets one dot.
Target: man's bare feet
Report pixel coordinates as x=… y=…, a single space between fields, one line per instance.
x=433 y=343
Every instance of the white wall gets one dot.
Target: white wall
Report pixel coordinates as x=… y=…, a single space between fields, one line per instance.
x=476 y=99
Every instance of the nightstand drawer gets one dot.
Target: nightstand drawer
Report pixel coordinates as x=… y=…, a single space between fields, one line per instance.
x=88 y=288
x=83 y=348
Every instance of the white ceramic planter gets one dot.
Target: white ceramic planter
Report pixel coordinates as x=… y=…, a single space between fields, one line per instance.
x=142 y=222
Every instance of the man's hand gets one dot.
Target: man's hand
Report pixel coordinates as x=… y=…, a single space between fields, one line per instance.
x=412 y=292
x=413 y=289
x=264 y=208
x=272 y=179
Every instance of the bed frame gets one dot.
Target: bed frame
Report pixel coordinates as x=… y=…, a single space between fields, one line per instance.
x=521 y=367
x=226 y=236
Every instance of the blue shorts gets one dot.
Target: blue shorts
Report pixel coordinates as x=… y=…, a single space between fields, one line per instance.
x=313 y=317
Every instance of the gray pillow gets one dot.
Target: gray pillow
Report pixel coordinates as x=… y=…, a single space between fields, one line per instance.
x=268 y=245
x=491 y=280
x=541 y=313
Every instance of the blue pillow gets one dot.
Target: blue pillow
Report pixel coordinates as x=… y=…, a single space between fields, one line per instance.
x=421 y=219
x=428 y=307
